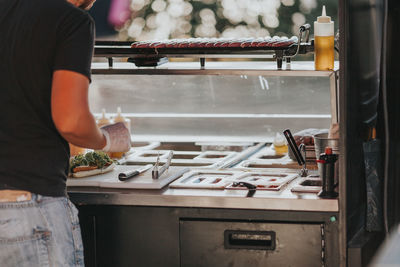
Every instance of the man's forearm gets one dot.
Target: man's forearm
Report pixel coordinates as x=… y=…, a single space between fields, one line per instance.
x=70 y=110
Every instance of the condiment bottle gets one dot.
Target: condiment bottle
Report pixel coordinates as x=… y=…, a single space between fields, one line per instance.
x=103 y=120
x=326 y=167
x=280 y=144
x=324 y=41
x=127 y=122
x=124 y=120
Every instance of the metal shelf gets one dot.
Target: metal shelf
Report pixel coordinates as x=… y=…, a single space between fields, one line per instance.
x=299 y=68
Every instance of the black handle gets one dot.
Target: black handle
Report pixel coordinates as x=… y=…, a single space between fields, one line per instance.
x=248 y=185
x=293 y=147
x=128 y=175
x=262 y=240
x=252 y=188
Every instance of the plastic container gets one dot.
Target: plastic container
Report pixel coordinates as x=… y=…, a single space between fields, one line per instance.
x=324 y=41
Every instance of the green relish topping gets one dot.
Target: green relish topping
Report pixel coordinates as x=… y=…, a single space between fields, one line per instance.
x=95 y=158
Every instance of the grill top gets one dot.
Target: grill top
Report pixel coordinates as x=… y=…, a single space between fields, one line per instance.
x=205 y=43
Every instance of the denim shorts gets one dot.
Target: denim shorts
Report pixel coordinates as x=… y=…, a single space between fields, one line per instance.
x=43 y=231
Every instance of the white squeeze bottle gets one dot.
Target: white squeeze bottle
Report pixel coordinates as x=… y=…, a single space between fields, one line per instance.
x=324 y=41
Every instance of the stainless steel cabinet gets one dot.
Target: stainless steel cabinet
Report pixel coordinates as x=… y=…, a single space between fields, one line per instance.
x=214 y=243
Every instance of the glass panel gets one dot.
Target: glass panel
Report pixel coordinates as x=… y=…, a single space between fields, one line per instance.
x=199 y=94
x=198 y=105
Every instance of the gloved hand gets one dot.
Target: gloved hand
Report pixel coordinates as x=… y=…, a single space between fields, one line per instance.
x=117 y=137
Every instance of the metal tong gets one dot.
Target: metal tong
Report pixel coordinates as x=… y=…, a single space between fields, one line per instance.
x=297 y=153
x=156 y=172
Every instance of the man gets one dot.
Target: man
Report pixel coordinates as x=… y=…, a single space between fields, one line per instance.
x=45 y=55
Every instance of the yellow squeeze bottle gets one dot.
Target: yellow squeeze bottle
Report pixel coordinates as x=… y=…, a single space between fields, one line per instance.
x=124 y=120
x=127 y=122
x=324 y=41
x=280 y=145
x=103 y=120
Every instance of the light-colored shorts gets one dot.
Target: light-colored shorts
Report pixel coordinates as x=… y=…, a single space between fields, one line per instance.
x=40 y=232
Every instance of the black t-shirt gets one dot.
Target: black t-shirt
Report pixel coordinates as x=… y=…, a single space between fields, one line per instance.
x=37 y=37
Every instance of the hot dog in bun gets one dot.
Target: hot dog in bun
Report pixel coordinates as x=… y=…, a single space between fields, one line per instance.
x=91 y=163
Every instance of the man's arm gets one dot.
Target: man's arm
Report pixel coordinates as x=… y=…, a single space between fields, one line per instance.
x=70 y=110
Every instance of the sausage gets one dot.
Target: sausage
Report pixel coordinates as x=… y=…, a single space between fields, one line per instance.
x=84 y=168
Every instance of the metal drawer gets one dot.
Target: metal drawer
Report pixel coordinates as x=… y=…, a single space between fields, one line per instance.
x=221 y=243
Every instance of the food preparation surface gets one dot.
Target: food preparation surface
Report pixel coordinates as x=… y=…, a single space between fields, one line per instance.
x=283 y=199
x=307 y=185
x=228 y=179
x=266 y=164
x=207 y=159
x=206 y=187
x=213 y=179
x=141 y=181
x=267 y=158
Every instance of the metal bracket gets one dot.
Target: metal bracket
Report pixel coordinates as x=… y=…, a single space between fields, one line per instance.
x=303 y=29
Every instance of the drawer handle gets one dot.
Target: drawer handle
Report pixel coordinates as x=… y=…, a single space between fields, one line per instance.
x=264 y=240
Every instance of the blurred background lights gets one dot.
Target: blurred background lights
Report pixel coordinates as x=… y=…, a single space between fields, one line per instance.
x=287 y=2
x=137 y=5
x=176 y=9
x=158 y=5
x=271 y=21
x=307 y=5
x=298 y=19
x=168 y=19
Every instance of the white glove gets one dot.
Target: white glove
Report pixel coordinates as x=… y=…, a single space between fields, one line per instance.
x=117 y=137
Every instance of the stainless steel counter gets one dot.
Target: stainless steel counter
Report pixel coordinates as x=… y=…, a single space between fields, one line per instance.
x=205 y=198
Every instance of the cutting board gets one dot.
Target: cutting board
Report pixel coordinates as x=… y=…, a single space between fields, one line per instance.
x=141 y=181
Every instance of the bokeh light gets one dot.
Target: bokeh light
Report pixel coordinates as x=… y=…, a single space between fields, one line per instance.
x=168 y=19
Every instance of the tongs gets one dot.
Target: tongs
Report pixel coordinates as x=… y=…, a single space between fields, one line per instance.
x=297 y=152
x=156 y=172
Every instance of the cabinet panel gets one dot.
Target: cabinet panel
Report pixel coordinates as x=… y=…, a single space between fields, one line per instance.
x=215 y=243
x=136 y=236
